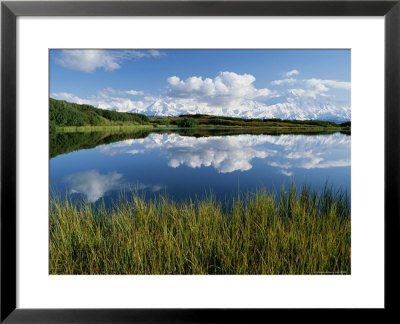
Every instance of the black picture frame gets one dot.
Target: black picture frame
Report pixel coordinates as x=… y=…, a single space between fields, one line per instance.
x=10 y=10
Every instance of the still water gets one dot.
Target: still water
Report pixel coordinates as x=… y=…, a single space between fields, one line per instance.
x=96 y=165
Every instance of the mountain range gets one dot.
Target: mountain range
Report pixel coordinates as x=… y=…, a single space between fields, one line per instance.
x=288 y=107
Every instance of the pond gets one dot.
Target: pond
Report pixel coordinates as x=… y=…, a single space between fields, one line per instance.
x=188 y=164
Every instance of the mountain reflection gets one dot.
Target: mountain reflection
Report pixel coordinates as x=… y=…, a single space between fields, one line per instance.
x=236 y=153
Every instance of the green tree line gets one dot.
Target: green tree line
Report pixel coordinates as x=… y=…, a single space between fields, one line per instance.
x=63 y=113
x=235 y=121
x=61 y=143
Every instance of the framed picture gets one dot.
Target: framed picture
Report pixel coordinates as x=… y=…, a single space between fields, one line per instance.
x=190 y=153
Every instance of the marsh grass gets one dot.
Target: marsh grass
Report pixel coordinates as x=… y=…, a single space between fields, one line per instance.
x=299 y=232
x=107 y=128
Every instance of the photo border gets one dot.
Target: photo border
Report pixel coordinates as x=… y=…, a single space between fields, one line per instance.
x=10 y=10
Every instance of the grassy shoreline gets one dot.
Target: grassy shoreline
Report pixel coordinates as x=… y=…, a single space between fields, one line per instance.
x=302 y=232
x=122 y=128
x=84 y=129
x=67 y=140
x=72 y=117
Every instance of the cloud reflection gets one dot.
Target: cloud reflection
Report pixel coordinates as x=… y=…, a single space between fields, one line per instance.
x=95 y=185
x=236 y=153
x=92 y=183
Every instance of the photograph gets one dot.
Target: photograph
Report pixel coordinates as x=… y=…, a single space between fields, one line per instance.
x=199 y=161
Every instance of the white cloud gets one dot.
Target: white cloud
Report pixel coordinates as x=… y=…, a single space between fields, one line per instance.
x=89 y=60
x=317 y=90
x=317 y=87
x=318 y=83
x=231 y=94
x=93 y=184
x=312 y=88
x=105 y=93
x=225 y=154
x=156 y=53
x=86 y=60
x=134 y=92
x=68 y=97
x=110 y=99
x=153 y=188
x=291 y=73
x=287 y=173
x=236 y=153
x=225 y=89
x=284 y=81
x=295 y=104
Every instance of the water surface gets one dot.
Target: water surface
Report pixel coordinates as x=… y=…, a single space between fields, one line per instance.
x=97 y=165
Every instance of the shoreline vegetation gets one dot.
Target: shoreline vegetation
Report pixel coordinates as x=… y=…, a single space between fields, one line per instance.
x=77 y=138
x=74 y=127
x=270 y=129
x=71 y=117
x=298 y=231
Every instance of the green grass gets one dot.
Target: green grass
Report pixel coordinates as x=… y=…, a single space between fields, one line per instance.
x=84 y=129
x=72 y=117
x=225 y=121
x=302 y=232
x=281 y=129
x=125 y=128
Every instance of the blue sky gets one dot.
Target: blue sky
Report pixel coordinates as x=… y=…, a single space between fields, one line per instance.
x=246 y=83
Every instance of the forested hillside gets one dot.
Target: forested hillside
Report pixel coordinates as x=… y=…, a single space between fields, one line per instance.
x=63 y=113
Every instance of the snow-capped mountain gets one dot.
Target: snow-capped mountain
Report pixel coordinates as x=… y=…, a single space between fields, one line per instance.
x=290 y=108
